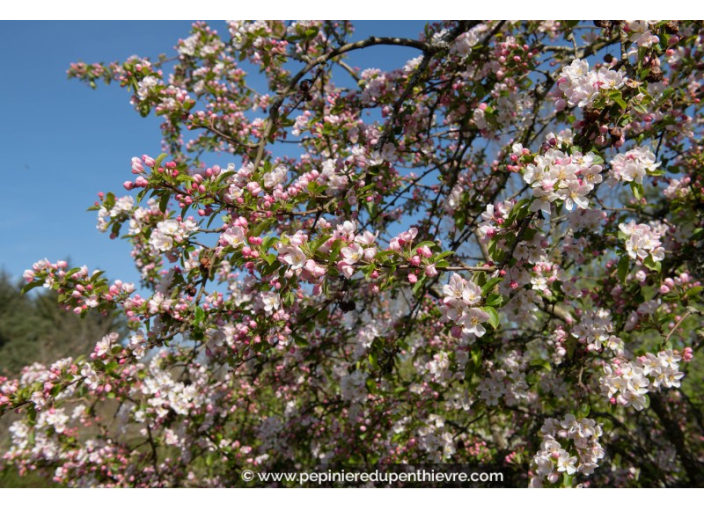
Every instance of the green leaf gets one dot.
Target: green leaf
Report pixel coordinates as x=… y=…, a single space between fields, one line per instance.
x=476 y=357
x=371 y=208
x=94 y=277
x=335 y=249
x=651 y=264
x=300 y=341
x=489 y=286
x=163 y=203
x=443 y=255
x=493 y=316
x=71 y=272
x=583 y=411
x=32 y=285
x=157 y=161
x=268 y=242
x=109 y=201
x=315 y=245
x=199 y=315
x=494 y=300
x=640 y=108
x=519 y=210
x=460 y=220
x=566 y=480
x=694 y=291
x=496 y=253
x=541 y=363
x=618 y=99
x=373 y=360
x=425 y=243
x=637 y=189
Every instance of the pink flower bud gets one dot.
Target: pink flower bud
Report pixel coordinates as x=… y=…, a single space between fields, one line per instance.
x=254 y=188
x=137 y=167
x=687 y=354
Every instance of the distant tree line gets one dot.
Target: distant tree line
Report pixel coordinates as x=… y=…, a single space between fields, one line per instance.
x=33 y=328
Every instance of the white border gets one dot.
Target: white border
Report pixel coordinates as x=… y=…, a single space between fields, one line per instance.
x=308 y=499
x=357 y=9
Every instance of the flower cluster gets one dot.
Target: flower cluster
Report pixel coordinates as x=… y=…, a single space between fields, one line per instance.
x=512 y=386
x=556 y=175
x=581 y=455
x=640 y=32
x=581 y=87
x=436 y=439
x=642 y=241
x=465 y=42
x=677 y=188
x=164 y=393
x=360 y=249
x=171 y=232
x=632 y=166
x=353 y=387
x=459 y=302
x=121 y=206
x=595 y=329
x=493 y=218
x=626 y=383
x=277 y=176
x=80 y=289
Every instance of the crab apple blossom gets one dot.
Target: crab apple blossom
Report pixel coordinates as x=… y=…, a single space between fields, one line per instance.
x=581 y=86
x=633 y=165
x=404 y=264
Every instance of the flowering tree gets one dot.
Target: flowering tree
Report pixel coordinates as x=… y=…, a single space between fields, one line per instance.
x=490 y=256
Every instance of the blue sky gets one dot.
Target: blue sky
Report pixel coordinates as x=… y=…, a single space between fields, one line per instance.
x=62 y=142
